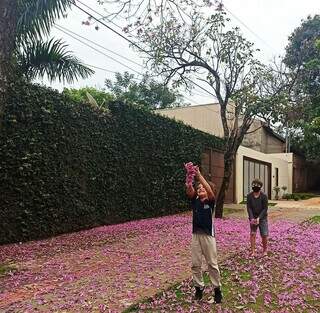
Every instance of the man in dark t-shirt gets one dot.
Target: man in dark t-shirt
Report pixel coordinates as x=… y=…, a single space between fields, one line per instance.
x=257 y=207
x=203 y=236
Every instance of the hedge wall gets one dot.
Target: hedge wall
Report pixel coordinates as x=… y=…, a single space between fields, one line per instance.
x=65 y=166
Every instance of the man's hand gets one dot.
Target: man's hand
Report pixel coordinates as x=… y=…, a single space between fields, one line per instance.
x=257 y=220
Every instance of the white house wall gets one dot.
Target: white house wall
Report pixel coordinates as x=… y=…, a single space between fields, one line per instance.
x=275 y=161
x=207 y=119
x=288 y=157
x=203 y=117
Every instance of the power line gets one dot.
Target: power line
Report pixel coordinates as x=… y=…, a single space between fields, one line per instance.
x=125 y=38
x=249 y=29
x=100 y=68
x=98 y=45
x=102 y=16
x=106 y=70
x=137 y=46
x=105 y=25
x=192 y=101
x=95 y=49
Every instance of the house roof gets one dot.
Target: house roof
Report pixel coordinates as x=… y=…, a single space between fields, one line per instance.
x=295 y=150
x=273 y=133
x=188 y=106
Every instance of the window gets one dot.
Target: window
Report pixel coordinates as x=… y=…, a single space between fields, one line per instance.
x=256 y=169
x=277 y=176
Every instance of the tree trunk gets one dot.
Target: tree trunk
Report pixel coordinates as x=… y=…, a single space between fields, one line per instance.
x=8 y=24
x=232 y=147
x=228 y=167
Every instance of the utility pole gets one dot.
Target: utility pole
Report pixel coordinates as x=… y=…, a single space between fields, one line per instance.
x=287 y=137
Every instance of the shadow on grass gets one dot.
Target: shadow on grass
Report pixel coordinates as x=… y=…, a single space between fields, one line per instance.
x=183 y=297
x=315 y=219
x=7 y=269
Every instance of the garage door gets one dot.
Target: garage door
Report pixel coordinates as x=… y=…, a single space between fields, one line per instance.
x=256 y=169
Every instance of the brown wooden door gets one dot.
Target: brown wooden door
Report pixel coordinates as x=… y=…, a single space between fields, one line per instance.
x=212 y=167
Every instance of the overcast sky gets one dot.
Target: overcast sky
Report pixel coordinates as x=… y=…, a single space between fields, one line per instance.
x=268 y=23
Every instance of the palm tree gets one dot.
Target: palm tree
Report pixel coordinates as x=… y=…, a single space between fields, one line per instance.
x=37 y=57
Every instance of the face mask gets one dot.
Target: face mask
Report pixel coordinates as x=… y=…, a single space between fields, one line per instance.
x=256 y=188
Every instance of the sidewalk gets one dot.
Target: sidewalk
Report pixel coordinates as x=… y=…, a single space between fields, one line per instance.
x=295 y=211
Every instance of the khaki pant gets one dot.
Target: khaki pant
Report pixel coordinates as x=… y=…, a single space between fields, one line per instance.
x=205 y=245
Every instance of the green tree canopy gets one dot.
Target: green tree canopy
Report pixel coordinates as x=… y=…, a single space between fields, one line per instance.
x=303 y=56
x=35 y=55
x=208 y=49
x=81 y=95
x=145 y=92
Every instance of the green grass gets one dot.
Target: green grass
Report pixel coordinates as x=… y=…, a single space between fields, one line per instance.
x=134 y=308
x=7 y=268
x=257 y=306
x=299 y=196
x=245 y=276
x=315 y=219
x=306 y=196
x=227 y=211
x=181 y=296
x=206 y=279
x=232 y=289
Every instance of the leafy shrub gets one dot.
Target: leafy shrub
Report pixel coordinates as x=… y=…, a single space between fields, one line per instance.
x=286 y=196
x=298 y=196
x=67 y=166
x=305 y=196
x=276 y=189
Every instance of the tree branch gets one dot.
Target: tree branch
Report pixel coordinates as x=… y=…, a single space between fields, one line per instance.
x=253 y=131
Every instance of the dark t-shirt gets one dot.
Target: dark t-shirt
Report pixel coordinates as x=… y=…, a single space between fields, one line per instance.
x=257 y=207
x=202 y=216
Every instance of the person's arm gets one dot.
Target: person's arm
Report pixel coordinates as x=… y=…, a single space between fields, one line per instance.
x=264 y=206
x=205 y=185
x=249 y=208
x=213 y=188
x=190 y=191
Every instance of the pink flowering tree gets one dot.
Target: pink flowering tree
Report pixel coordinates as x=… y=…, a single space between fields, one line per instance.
x=208 y=50
x=183 y=43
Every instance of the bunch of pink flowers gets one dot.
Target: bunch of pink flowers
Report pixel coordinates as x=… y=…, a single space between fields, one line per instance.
x=191 y=172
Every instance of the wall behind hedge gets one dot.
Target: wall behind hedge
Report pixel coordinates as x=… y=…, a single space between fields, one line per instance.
x=65 y=166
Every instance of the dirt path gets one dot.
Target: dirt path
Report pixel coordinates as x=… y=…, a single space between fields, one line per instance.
x=295 y=211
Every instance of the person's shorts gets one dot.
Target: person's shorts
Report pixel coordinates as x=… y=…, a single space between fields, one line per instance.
x=263 y=227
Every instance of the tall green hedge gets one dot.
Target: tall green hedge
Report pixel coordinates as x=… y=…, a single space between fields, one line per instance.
x=65 y=166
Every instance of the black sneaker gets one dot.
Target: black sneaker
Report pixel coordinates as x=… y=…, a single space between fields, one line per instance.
x=217 y=295
x=199 y=293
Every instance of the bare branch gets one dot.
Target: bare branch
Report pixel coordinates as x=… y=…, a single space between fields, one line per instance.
x=253 y=131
